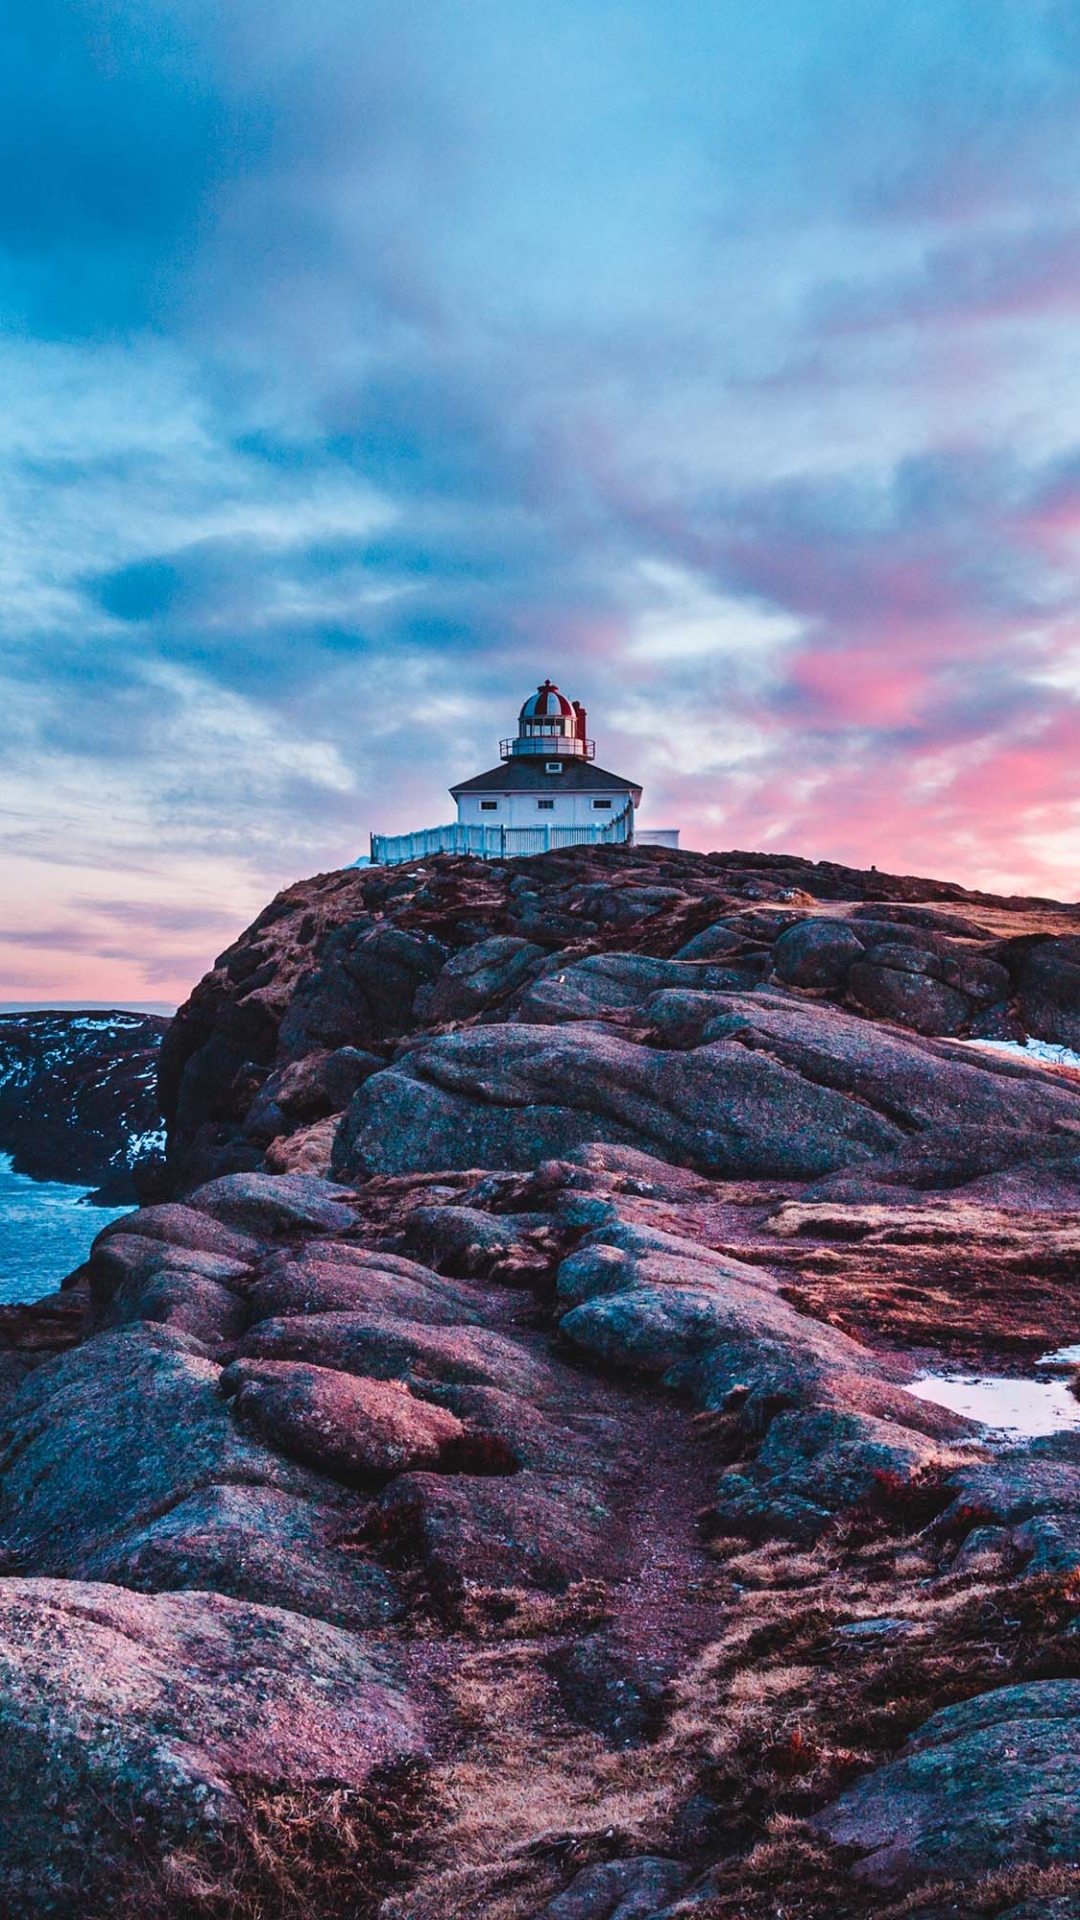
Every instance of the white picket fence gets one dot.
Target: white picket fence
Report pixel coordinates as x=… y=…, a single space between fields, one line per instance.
x=495 y=843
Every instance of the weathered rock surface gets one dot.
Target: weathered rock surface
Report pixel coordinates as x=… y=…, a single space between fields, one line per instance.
x=612 y=982
x=512 y=1097
x=307 y=1090
x=1049 y=982
x=483 y=1534
x=254 y=1543
x=183 y=1227
x=993 y=1782
x=332 y=1278
x=127 y=1715
x=340 y=967
x=906 y=994
x=774 y=1089
x=816 y=953
x=481 y=976
x=362 y=990
x=268 y=1205
x=361 y=1432
x=821 y=1421
x=618 y=1890
x=105 y=1438
x=392 y=1349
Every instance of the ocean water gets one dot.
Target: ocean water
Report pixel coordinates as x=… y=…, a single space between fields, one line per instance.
x=45 y=1230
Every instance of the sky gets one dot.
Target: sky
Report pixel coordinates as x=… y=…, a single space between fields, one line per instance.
x=362 y=364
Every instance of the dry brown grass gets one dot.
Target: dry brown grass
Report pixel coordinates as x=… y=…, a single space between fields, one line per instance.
x=519 y=1613
x=774 y=1718
x=305 y=1854
x=526 y=1800
x=783 y=1710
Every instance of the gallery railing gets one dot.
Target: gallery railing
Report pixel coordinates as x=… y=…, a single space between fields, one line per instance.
x=496 y=843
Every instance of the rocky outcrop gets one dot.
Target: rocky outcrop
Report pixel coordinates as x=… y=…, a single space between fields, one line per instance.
x=549 y=1475
x=1048 y=977
x=136 y=1721
x=513 y=1096
x=375 y=1451
x=990 y=1783
x=78 y=1098
x=343 y=970
x=772 y=1088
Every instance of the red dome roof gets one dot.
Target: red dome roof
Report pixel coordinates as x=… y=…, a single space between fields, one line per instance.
x=547 y=703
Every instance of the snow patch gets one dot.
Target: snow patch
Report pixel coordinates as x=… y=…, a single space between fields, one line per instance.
x=1035 y=1053
x=141 y=1145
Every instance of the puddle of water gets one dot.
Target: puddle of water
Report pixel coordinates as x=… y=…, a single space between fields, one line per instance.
x=1020 y=1409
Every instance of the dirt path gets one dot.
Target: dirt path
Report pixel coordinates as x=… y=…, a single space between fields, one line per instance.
x=543 y=1729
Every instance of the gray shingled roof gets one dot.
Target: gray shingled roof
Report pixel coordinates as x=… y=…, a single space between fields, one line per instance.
x=525 y=774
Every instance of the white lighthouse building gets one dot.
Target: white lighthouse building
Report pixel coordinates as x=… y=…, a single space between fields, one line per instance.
x=547 y=792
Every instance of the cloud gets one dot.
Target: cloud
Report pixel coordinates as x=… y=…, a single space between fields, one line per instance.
x=367 y=364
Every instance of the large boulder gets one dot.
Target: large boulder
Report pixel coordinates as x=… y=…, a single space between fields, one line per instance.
x=898 y=984
x=816 y=953
x=482 y=975
x=212 y=1314
x=253 y=1543
x=712 y=943
x=359 y=1431
x=140 y=1730
x=991 y=1783
x=107 y=1437
x=924 y=1086
x=983 y=981
x=328 y=1277
x=391 y=1349
x=512 y=1096
x=183 y=1227
x=270 y=1205
x=362 y=990
x=611 y=983
x=1049 y=984
x=132 y=1277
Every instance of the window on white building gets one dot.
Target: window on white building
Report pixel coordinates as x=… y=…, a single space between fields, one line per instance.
x=548 y=804
x=489 y=806
x=601 y=803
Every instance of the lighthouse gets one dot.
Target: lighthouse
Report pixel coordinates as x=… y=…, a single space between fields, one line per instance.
x=548 y=775
x=546 y=792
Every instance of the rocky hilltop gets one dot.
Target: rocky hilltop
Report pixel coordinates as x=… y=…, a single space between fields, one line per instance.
x=78 y=1097
x=488 y=1485
x=714 y=979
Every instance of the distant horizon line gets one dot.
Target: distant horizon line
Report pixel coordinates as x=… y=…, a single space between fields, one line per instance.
x=88 y=1006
